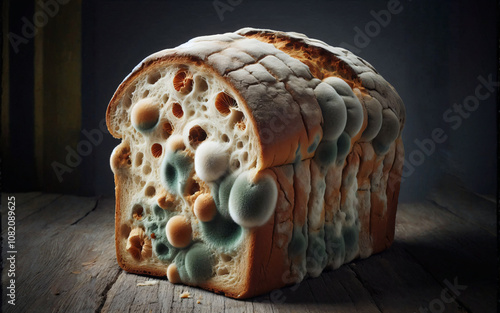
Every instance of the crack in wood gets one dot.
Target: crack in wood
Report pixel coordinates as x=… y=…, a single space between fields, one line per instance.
x=365 y=285
x=86 y=214
x=104 y=293
x=41 y=208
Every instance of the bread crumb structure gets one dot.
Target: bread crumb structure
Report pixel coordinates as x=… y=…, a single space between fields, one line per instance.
x=251 y=160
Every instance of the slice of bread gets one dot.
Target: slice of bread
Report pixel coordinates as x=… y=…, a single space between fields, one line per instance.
x=251 y=160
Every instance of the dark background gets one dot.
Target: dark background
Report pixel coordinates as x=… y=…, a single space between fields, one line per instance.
x=432 y=52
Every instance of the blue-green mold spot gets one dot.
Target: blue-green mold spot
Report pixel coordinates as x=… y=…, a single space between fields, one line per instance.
x=176 y=169
x=159 y=212
x=199 y=263
x=298 y=155
x=326 y=153
x=222 y=233
x=314 y=145
x=252 y=199
x=220 y=194
x=298 y=244
x=335 y=245
x=155 y=223
x=351 y=238
x=380 y=148
x=316 y=250
x=343 y=147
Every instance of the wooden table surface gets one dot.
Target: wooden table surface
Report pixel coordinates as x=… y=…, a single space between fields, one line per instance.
x=443 y=260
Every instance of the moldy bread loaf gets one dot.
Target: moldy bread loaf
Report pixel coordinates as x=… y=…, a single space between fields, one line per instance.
x=251 y=160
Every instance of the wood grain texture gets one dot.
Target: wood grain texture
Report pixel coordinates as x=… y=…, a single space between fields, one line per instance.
x=450 y=247
x=66 y=263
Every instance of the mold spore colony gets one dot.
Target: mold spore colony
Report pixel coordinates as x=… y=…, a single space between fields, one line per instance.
x=186 y=153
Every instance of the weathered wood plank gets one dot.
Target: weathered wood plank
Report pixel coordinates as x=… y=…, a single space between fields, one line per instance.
x=399 y=284
x=21 y=198
x=34 y=205
x=452 y=248
x=62 y=267
x=466 y=205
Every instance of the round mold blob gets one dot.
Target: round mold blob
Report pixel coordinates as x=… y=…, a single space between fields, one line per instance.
x=175 y=171
x=173 y=274
x=199 y=263
x=204 y=207
x=252 y=199
x=211 y=161
x=178 y=231
x=145 y=115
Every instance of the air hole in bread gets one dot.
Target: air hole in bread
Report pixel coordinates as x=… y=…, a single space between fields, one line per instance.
x=137 y=212
x=161 y=249
x=138 y=158
x=183 y=82
x=127 y=101
x=236 y=117
x=177 y=110
x=125 y=230
x=201 y=84
x=145 y=93
x=204 y=108
x=225 y=258
x=195 y=187
x=165 y=98
x=137 y=180
x=222 y=271
x=196 y=136
x=241 y=125
x=239 y=144
x=150 y=191
x=235 y=164
x=143 y=183
x=146 y=169
x=167 y=130
x=224 y=103
x=127 y=98
x=154 y=77
x=156 y=150
x=225 y=138
x=244 y=156
x=190 y=113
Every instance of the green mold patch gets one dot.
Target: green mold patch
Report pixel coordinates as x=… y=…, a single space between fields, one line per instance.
x=316 y=251
x=343 y=147
x=221 y=192
x=252 y=199
x=351 y=239
x=298 y=243
x=195 y=265
x=176 y=170
x=155 y=224
x=335 y=245
x=314 y=145
x=326 y=153
x=222 y=233
x=199 y=263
